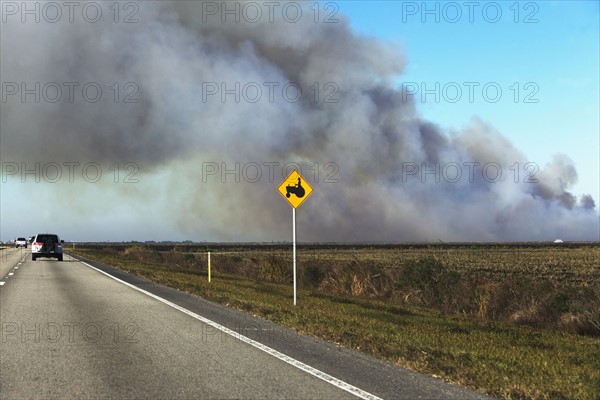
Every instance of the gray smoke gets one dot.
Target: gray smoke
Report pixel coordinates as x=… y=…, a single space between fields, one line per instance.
x=383 y=173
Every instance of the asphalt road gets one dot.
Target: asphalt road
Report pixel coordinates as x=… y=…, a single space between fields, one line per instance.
x=70 y=331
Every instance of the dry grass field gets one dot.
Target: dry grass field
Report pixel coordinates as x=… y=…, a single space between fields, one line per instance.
x=556 y=286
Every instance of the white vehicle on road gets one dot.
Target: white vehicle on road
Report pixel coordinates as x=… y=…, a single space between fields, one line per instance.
x=47 y=245
x=21 y=242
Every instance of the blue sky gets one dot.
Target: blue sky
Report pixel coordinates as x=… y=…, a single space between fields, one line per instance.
x=553 y=46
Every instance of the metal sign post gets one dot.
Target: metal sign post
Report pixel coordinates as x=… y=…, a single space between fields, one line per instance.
x=295 y=190
x=294 y=246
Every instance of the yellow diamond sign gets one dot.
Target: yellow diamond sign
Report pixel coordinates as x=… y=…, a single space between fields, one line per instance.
x=295 y=189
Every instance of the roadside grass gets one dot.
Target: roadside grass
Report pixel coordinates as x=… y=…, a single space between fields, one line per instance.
x=501 y=359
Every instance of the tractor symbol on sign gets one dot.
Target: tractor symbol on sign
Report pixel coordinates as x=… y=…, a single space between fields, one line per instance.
x=298 y=190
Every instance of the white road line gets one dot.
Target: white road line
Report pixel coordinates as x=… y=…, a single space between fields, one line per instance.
x=298 y=364
x=11 y=273
x=2 y=283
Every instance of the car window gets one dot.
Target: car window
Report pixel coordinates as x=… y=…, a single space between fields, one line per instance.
x=43 y=238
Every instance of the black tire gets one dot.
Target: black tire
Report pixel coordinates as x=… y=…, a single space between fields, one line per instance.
x=32 y=257
x=60 y=257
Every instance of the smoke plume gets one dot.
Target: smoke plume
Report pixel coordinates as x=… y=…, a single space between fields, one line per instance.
x=211 y=112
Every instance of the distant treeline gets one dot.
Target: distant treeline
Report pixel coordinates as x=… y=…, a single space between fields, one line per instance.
x=240 y=246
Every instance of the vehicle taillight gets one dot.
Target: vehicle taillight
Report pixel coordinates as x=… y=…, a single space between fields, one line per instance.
x=37 y=243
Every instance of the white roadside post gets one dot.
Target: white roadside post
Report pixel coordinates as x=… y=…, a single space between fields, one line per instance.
x=209 y=267
x=295 y=190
